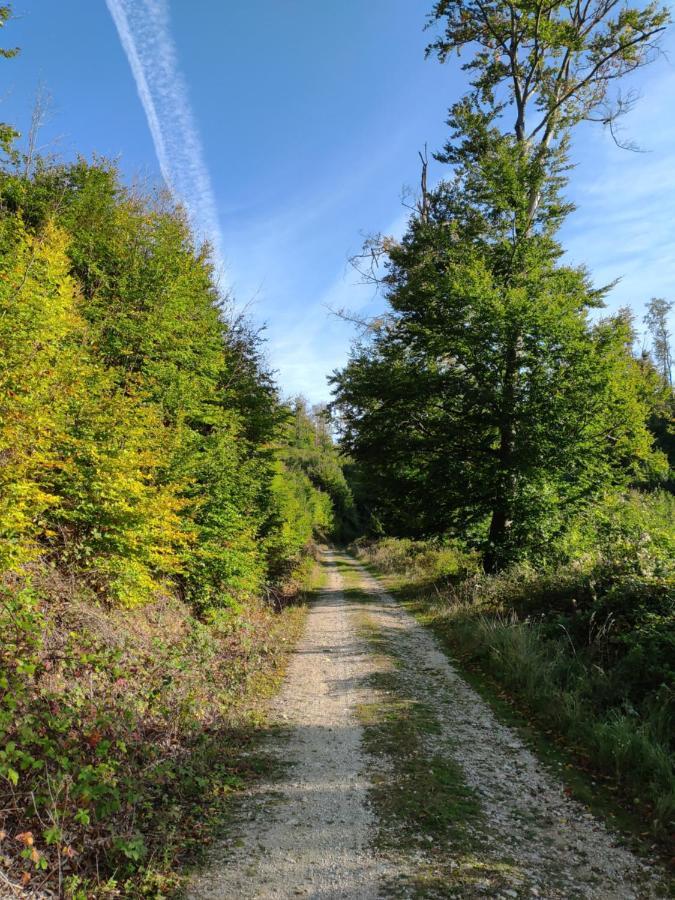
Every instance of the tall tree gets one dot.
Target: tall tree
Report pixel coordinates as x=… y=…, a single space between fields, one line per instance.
x=656 y=321
x=488 y=400
x=553 y=63
x=658 y=372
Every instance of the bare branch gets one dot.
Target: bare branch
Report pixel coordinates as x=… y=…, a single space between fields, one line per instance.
x=589 y=79
x=423 y=205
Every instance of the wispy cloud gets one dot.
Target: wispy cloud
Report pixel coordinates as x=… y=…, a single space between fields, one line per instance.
x=145 y=33
x=624 y=226
x=313 y=341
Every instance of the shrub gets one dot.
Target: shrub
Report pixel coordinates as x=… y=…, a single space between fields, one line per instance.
x=118 y=728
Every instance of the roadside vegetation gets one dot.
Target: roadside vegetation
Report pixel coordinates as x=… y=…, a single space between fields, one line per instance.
x=124 y=733
x=585 y=652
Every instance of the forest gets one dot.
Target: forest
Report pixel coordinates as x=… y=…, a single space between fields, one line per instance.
x=499 y=450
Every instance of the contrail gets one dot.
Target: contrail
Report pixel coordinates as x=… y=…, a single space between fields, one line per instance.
x=144 y=31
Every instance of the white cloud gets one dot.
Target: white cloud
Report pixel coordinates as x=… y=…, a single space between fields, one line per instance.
x=144 y=31
x=314 y=342
x=624 y=227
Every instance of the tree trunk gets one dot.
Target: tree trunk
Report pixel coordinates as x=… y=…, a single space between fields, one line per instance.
x=501 y=522
x=496 y=554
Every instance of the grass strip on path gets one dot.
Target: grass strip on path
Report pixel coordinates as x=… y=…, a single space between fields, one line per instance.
x=428 y=816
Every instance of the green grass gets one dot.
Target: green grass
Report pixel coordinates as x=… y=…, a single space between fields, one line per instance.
x=609 y=761
x=426 y=811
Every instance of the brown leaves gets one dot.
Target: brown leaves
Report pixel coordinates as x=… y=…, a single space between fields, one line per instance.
x=94 y=738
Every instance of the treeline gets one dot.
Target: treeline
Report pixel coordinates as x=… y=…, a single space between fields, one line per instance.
x=140 y=431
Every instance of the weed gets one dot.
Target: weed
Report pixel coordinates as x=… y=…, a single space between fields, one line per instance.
x=125 y=734
x=588 y=660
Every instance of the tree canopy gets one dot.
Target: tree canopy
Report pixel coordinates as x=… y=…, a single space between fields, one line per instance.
x=488 y=402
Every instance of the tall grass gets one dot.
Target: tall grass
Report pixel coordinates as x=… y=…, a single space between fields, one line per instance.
x=587 y=651
x=558 y=685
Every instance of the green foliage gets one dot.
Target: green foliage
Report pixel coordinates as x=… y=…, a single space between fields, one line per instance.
x=486 y=403
x=553 y=66
x=631 y=534
x=152 y=449
x=300 y=513
x=490 y=401
x=310 y=496
x=309 y=449
x=37 y=319
x=121 y=732
x=425 y=559
x=81 y=455
x=586 y=646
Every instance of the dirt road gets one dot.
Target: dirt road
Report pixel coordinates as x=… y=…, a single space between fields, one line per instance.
x=394 y=779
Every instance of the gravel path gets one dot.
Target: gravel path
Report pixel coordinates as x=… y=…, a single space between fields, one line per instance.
x=311 y=831
x=308 y=834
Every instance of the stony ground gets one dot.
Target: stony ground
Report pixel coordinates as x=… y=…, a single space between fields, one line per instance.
x=394 y=779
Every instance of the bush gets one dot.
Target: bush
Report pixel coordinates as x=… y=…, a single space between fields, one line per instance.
x=403 y=556
x=118 y=729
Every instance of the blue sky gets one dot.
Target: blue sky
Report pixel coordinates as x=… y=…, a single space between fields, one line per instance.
x=292 y=127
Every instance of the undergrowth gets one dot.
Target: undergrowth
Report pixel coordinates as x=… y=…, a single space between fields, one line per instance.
x=586 y=651
x=123 y=731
